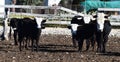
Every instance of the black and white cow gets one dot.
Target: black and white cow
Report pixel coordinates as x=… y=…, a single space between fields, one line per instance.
x=30 y=28
x=81 y=22
x=27 y=28
x=76 y=20
x=103 y=30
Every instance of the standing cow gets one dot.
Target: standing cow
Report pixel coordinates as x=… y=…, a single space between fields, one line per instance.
x=103 y=31
x=76 y=21
x=30 y=28
x=86 y=31
x=100 y=27
x=13 y=25
x=27 y=28
x=81 y=22
x=96 y=30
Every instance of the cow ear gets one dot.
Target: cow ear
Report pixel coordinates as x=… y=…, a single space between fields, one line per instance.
x=44 y=21
x=106 y=16
x=43 y=27
x=69 y=27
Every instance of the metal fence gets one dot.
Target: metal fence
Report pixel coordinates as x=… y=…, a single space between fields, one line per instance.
x=61 y=16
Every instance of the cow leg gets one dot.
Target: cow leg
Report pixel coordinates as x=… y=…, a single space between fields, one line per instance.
x=74 y=41
x=20 y=44
x=37 y=41
x=92 y=40
x=106 y=33
x=103 y=47
x=32 y=45
x=87 y=44
x=98 y=39
x=20 y=39
x=104 y=44
x=98 y=46
x=80 y=44
x=15 y=37
x=26 y=43
x=93 y=44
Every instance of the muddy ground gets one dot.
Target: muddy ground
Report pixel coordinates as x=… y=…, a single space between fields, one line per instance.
x=58 y=48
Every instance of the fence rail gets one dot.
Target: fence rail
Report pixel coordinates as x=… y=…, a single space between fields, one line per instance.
x=61 y=16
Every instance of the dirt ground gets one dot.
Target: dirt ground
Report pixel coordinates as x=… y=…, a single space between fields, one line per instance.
x=58 y=48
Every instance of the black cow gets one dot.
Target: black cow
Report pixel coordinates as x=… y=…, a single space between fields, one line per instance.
x=27 y=28
x=13 y=25
x=86 y=31
x=30 y=28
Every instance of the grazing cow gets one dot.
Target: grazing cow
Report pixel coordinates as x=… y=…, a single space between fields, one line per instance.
x=103 y=30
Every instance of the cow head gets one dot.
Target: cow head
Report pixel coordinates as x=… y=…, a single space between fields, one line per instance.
x=100 y=18
x=76 y=20
x=14 y=23
x=40 y=22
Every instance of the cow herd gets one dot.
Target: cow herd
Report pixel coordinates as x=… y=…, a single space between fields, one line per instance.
x=27 y=31
x=96 y=30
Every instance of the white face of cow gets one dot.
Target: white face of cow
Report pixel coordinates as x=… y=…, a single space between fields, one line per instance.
x=74 y=28
x=39 y=22
x=87 y=19
x=100 y=21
